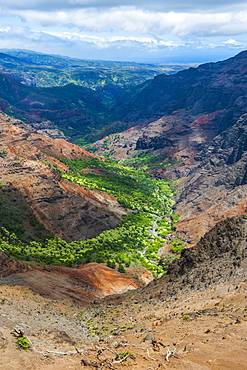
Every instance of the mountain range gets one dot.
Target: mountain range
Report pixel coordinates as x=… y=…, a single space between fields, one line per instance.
x=158 y=192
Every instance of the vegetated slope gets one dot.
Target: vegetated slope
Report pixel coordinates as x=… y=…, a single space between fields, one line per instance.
x=39 y=192
x=75 y=110
x=206 y=89
x=54 y=70
x=105 y=77
x=98 y=211
x=192 y=318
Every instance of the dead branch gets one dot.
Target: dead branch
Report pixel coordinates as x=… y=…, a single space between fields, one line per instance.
x=122 y=360
x=146 y=349
x=62 y=353
x=100 y=350
x=86 y=363
x=170 y=353
x=17 y=332
x=187 y=299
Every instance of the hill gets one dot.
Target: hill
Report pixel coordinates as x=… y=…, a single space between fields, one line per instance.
x=105 y=77
x=192 y=318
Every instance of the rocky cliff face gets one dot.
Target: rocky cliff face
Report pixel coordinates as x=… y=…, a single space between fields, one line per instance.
x=68 y=210
x=216 y=183
x=196 y=121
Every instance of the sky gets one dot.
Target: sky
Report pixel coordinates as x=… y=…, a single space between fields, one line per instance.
x=150 y=31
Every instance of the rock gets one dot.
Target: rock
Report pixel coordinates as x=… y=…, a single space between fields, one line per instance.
x=149 y=338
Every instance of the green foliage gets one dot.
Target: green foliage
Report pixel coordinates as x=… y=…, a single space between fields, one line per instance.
x=146 y=159
x=135 y=239
x=175 y=217
x=123 y=244
x=17 y=217
x=134 y=188
x=177 y=245
x=111 y=264
x=121 y=268
x=92 y=148
x=23 y=342
x=164 y=227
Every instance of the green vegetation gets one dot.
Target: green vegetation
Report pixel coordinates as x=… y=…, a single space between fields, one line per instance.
x=23 y=342
x=146 y=159
x=122 y=245
x=18 y=218
x=136 y=240
x=133 y=188
x=177 y=245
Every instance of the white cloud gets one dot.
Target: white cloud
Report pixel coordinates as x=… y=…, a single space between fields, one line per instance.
x=146 y=27
x=107 y=42
x=136 y=21
x=105 y=47
x=156 y=5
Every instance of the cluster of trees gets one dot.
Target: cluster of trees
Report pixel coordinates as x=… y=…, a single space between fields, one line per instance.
x=129 y=242
x=134 y=188
x=133 y=241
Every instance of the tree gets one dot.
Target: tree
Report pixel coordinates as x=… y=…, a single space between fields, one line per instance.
x=121 y=269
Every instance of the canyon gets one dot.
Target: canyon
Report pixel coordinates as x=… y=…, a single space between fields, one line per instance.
x=191 y=128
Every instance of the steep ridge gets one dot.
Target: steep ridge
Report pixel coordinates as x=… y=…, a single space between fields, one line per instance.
x=203 y=101
x=194 y=317
x=216 y=184
x=67 y=210
x=208 y=88
x=219 y=255
x=72 y=109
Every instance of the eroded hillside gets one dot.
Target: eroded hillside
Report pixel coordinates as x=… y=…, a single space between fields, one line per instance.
x=192 y=318
x=65 y=209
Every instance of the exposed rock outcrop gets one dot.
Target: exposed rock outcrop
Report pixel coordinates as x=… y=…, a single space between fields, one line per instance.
x=215 y=186
x=82 y=284
x=9 y=266
x=219 y=256
x=68 y=210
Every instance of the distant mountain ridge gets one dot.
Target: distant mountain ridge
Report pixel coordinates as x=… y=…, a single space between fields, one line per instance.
x=105 y=77
x=208 y=88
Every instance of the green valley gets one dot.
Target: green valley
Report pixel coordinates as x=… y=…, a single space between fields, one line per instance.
x=136 y=240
